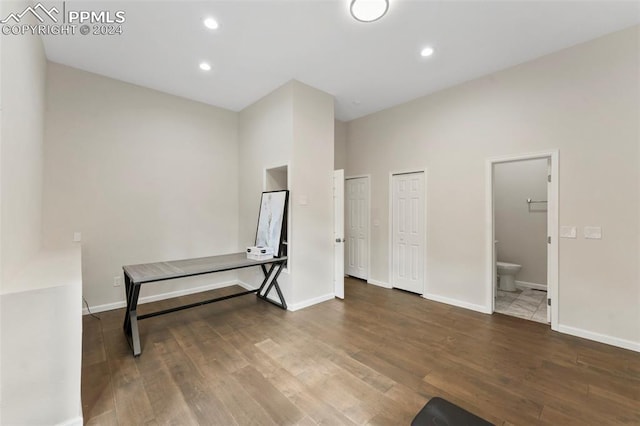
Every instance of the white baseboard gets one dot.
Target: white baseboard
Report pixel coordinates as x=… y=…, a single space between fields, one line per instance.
x=246 y=285
x=310 y=302
x=458 y=303
x=525 y=284
x=102 y=308
x=602 y=338
x=76 y=421
x=161 y=296
x=378 y=283
x=300 y=305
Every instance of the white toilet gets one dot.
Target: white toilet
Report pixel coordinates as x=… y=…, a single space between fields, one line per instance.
x=507 y=273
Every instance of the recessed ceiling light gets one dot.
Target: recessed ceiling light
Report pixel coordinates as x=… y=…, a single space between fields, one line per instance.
x=205 y=66
x=211 y=23
x=368 y=10
x=426 y=52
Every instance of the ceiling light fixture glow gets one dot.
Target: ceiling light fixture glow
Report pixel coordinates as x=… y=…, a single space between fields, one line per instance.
x=426 y=52
x=211 y=23
x=368 y=10
x=205 y=66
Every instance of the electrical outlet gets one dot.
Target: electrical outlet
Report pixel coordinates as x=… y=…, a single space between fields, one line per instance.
x=117 y=281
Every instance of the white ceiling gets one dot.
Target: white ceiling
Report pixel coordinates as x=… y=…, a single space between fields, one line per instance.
x=368 y=67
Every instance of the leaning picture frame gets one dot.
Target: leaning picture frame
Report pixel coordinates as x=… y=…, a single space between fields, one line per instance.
x=272 y=221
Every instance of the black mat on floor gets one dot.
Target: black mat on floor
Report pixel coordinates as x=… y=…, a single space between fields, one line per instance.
x=440 y=412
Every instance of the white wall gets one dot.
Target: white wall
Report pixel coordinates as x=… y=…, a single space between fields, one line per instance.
x=21 y=153
x=265 y=141
x=145 y=176
x=584 y=101
x=340 y=146
x=312 y=194
x=520 y=228
x=41 y=325
x=22 y=94
x=293 y=126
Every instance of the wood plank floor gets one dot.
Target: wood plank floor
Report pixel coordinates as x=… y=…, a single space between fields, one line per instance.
x=375 y=358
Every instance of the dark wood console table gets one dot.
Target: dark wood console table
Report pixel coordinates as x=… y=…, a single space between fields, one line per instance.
x=136 y=275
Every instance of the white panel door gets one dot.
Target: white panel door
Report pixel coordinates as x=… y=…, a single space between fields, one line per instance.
x=338 y=233
x=358 y=227
x=408 y=232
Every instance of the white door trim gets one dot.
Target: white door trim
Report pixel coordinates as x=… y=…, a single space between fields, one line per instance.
x=369 y=181
x=338 y=233
x=390 y=226
x=552 y=229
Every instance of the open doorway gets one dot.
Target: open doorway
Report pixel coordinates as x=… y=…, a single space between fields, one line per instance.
x=522 y=241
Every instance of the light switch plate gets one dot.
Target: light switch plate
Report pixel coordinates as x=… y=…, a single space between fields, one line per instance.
x=303 y=200
x=77 y=237
x=568 y=232
x=593 y=232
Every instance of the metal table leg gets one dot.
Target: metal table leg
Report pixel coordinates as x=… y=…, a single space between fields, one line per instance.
x=266 y=277
x=131 y=318
x=273 y=284
x=127 y=291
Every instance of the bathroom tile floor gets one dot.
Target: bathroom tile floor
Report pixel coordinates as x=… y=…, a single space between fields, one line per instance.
x=528 y=304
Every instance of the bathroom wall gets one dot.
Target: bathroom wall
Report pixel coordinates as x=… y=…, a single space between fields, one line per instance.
x=520 y=228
